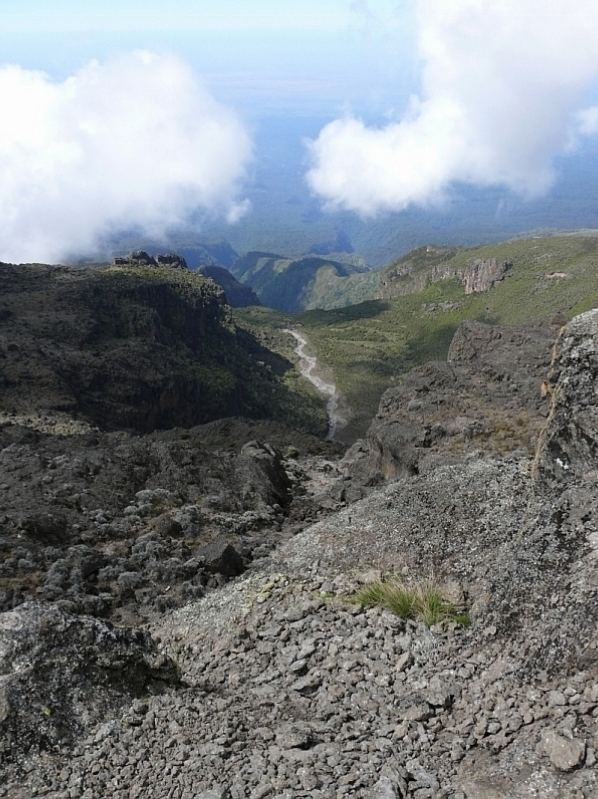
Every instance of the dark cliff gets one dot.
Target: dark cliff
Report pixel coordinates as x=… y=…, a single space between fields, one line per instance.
x=130 y=348
x=237 y=295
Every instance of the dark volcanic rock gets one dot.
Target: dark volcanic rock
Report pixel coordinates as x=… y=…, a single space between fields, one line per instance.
x=488 y=397
x=221 y=558
x=289 y=687
x=78 y=520
x=125 y=347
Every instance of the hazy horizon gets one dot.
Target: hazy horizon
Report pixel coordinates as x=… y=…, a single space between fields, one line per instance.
x=158 y=116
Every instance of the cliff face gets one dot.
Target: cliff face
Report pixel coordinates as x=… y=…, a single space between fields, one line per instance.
x=237 y=295
x=430 y=265
x=142 y=347
x=487 y=397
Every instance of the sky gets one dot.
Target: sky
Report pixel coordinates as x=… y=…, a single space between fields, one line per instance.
x=128 y=114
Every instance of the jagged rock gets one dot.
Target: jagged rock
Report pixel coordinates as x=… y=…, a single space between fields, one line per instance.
x=483 y=275
x=221 y=558
x=433 y=264
x=564 y=753
x=140 y=258
x=568 y=448
x=60 y=673
x=486 y=398
x=268 y=462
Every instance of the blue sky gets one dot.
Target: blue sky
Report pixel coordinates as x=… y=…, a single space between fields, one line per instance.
x=291 y=55
x=117 y=15
x=130 y=113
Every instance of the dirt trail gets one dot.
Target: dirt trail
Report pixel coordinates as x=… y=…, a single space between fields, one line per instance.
x=307 y=367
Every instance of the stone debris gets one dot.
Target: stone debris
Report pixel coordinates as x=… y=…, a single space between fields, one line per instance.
x=564 y=753
x=279 y=684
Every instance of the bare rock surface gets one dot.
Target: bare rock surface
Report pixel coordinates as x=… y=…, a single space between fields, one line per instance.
x=432 y=264
x=289 y=688
x=112 y=524
x=487 y=397
x=60 y=673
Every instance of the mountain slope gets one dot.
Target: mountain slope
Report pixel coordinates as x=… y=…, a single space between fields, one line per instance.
x=237 y=295
x=414 y=317
x=135 y=348
x=290 y=285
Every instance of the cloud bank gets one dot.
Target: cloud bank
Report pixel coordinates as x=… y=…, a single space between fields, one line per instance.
x=136 y=141
x=502 y=93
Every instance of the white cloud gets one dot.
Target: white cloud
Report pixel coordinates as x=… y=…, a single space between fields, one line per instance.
x=136 y=141
x=501 y=85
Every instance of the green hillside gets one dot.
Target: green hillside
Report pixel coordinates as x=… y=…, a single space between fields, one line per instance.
x=370 y=345
x=291 y=285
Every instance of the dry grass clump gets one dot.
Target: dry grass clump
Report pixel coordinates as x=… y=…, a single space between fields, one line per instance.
x=420 y=601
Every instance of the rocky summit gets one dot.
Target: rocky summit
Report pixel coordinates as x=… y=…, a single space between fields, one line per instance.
x=184 y=611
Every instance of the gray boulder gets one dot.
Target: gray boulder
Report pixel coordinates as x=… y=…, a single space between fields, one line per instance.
x=61 y=673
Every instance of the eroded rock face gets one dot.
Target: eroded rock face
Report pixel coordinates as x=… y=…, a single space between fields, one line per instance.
x=60 y=673
x=409 y=276
x=483 y=275
x=487 y=397
x=568 y=448
x=126 y=348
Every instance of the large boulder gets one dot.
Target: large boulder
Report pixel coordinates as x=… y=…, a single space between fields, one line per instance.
x=488 y=396
x=61 y=673
x=568 y=447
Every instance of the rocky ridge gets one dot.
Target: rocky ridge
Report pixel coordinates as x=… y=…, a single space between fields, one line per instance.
x=290 y=689
x=237 y=295
x=432 y=264
x=486 y=396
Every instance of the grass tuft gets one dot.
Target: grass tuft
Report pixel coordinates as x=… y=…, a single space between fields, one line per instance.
x=421 y=601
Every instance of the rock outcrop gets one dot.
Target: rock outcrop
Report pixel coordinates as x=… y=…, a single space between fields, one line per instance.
x=569 y=443
x=487 y=397
x=482 y=275
x=60 y=673
x=432 y=264
x=140 y=258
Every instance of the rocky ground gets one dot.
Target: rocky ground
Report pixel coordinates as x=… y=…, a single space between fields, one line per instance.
x=241 y=665
x=118 y=526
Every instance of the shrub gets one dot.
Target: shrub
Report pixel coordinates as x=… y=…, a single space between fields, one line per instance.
x=421 y=601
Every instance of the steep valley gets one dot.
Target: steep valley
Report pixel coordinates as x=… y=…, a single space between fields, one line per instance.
x=184 y=557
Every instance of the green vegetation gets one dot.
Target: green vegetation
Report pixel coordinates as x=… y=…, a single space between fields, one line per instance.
x=266 y=327
x=421 y=601
x=370 y=345
x=295 y=284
